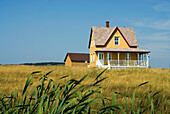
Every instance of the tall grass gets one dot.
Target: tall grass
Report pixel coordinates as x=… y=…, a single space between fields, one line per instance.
x=73 y=96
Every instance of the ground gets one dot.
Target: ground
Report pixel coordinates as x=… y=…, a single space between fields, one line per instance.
x=122 y=81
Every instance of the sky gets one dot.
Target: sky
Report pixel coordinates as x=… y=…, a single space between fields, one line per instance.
x=45 y=30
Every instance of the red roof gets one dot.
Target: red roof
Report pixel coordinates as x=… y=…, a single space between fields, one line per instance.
x=78 y=57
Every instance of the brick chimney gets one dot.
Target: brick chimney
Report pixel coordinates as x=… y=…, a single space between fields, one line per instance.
x=107 y=24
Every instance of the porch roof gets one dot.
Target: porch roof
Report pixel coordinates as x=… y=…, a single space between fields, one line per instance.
x=121 y=50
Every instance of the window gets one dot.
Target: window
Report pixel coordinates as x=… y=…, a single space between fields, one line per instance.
x=116 y=40
x=93 y=57
x=109 y=56
x=101 y=56
x=127 y=57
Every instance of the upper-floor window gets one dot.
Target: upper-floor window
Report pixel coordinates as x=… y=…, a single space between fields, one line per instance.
x=116 y=40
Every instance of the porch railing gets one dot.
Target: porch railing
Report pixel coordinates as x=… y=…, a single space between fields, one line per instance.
x=113 y=63
x=128 y=63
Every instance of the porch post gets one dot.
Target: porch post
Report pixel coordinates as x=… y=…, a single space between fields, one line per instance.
x=147 y=59
x=141 y=62
x=138 y=58
x=108 y=62
x=144 y=58
x=118 y=58
x=98 y=55
x=98 y=60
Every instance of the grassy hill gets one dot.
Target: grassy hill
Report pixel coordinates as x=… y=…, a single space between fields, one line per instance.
x=122 y=81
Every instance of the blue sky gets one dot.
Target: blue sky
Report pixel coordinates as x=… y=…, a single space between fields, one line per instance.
x=45 y=30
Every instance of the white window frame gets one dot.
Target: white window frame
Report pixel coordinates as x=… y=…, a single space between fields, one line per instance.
x=127 y=57
x=101 y=56
x=109 y=56
x=116 y=40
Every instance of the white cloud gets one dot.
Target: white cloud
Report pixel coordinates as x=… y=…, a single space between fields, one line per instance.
x=155 y=24
x=158 y=50
x=162 y=7
x=156 y=36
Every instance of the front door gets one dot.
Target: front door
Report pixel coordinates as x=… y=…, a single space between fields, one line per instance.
x=101 y=58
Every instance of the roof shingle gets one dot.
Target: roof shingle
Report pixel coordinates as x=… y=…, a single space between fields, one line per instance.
x=102 y=34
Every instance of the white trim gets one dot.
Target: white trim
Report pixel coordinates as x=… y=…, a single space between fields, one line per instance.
x=93 y=57
x=123 y=64
x=101 y=53
x=138 y=58
x=147 y=59
x=98 y=55
x=101 y=56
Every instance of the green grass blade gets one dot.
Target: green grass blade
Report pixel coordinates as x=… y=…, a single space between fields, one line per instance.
x=87 y=105
x=113 y=98
x=64 y=77
x=46 y=105
x=100 y=74
x=133 y=99
x=48 y=73
x=156 y=93
x=138 y=111
x=127 y=108
x=35 y=72
x=152 y=107
x=26 y=84
x=99 y=81
x=146 y=108
x=143 y=83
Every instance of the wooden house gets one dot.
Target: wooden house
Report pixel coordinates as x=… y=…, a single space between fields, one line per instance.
x=76 y=59
x=116 y=47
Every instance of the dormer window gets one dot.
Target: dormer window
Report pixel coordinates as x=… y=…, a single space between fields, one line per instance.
x=116 y=40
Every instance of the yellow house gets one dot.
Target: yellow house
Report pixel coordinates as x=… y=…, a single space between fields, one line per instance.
x=76 y=59
x=116 y=47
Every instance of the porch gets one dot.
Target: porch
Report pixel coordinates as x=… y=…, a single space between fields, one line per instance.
x=122 y=63
x=122 y=58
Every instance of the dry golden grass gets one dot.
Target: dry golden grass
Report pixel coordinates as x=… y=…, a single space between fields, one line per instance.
x=123 y=81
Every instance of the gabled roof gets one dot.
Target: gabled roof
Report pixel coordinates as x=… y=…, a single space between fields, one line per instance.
x=102 y=35
x=78 y=57
x=127 y=50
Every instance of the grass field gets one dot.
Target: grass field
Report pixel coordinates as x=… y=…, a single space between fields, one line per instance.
x=122 y=81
